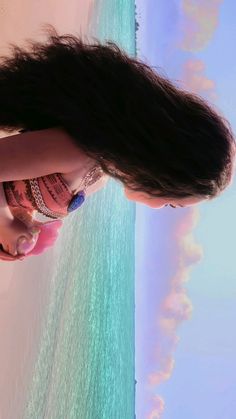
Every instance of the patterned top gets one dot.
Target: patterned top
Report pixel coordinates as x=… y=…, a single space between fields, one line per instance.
x=49 y=195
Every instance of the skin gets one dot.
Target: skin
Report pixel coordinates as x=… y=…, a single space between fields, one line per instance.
x=31 y=157
x=21 y=224
x=34 y=156
x=13 y=226
x=160 y=202
x=12 y=229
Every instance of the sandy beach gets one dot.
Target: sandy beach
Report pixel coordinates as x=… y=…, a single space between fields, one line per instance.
x=24 y=284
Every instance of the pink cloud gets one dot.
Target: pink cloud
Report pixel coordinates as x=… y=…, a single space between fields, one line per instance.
x=196 y=81
x=159 y=408
x=199 y=22
x=191 y=252
x=167 y=366
x=176 y=307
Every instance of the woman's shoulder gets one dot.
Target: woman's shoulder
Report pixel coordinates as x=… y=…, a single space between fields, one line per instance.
x=38 y=153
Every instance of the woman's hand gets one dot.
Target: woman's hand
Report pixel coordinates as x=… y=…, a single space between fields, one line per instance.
x=25 y=216
x=13 y=231
x=45 y=237
x=9 y=258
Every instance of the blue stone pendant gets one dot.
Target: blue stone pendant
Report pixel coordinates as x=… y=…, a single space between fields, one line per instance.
x=76 y=201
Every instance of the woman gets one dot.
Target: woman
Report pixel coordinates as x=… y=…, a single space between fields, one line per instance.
x=80 y=101
x=55 y=195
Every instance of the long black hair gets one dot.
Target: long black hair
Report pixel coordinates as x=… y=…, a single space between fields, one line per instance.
x=141 y=128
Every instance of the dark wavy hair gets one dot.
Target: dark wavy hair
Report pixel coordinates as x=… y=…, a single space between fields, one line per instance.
x=141 y=128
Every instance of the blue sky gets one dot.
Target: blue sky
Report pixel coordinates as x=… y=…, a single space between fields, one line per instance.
x=185 y=342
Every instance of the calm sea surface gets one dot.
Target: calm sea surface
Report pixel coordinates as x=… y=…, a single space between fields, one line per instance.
x=85 y=366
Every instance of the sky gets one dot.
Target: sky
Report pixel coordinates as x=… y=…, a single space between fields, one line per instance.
x=185 y=258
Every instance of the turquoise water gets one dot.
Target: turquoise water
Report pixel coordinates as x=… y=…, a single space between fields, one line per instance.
x=85 y=367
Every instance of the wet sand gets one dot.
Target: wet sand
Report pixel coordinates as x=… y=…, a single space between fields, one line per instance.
x=24 y=285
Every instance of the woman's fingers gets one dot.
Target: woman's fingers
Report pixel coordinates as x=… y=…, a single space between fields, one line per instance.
x=26 y=243
x=11 y=250
x=7 y=257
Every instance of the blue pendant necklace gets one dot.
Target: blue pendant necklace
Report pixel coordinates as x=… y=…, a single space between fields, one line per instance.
x=89 y=179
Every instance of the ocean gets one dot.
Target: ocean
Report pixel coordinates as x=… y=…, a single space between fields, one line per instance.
x=85 y=363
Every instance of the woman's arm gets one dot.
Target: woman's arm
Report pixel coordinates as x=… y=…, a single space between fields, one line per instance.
x=15 y=224
x=5 y=213
x=38 y=153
